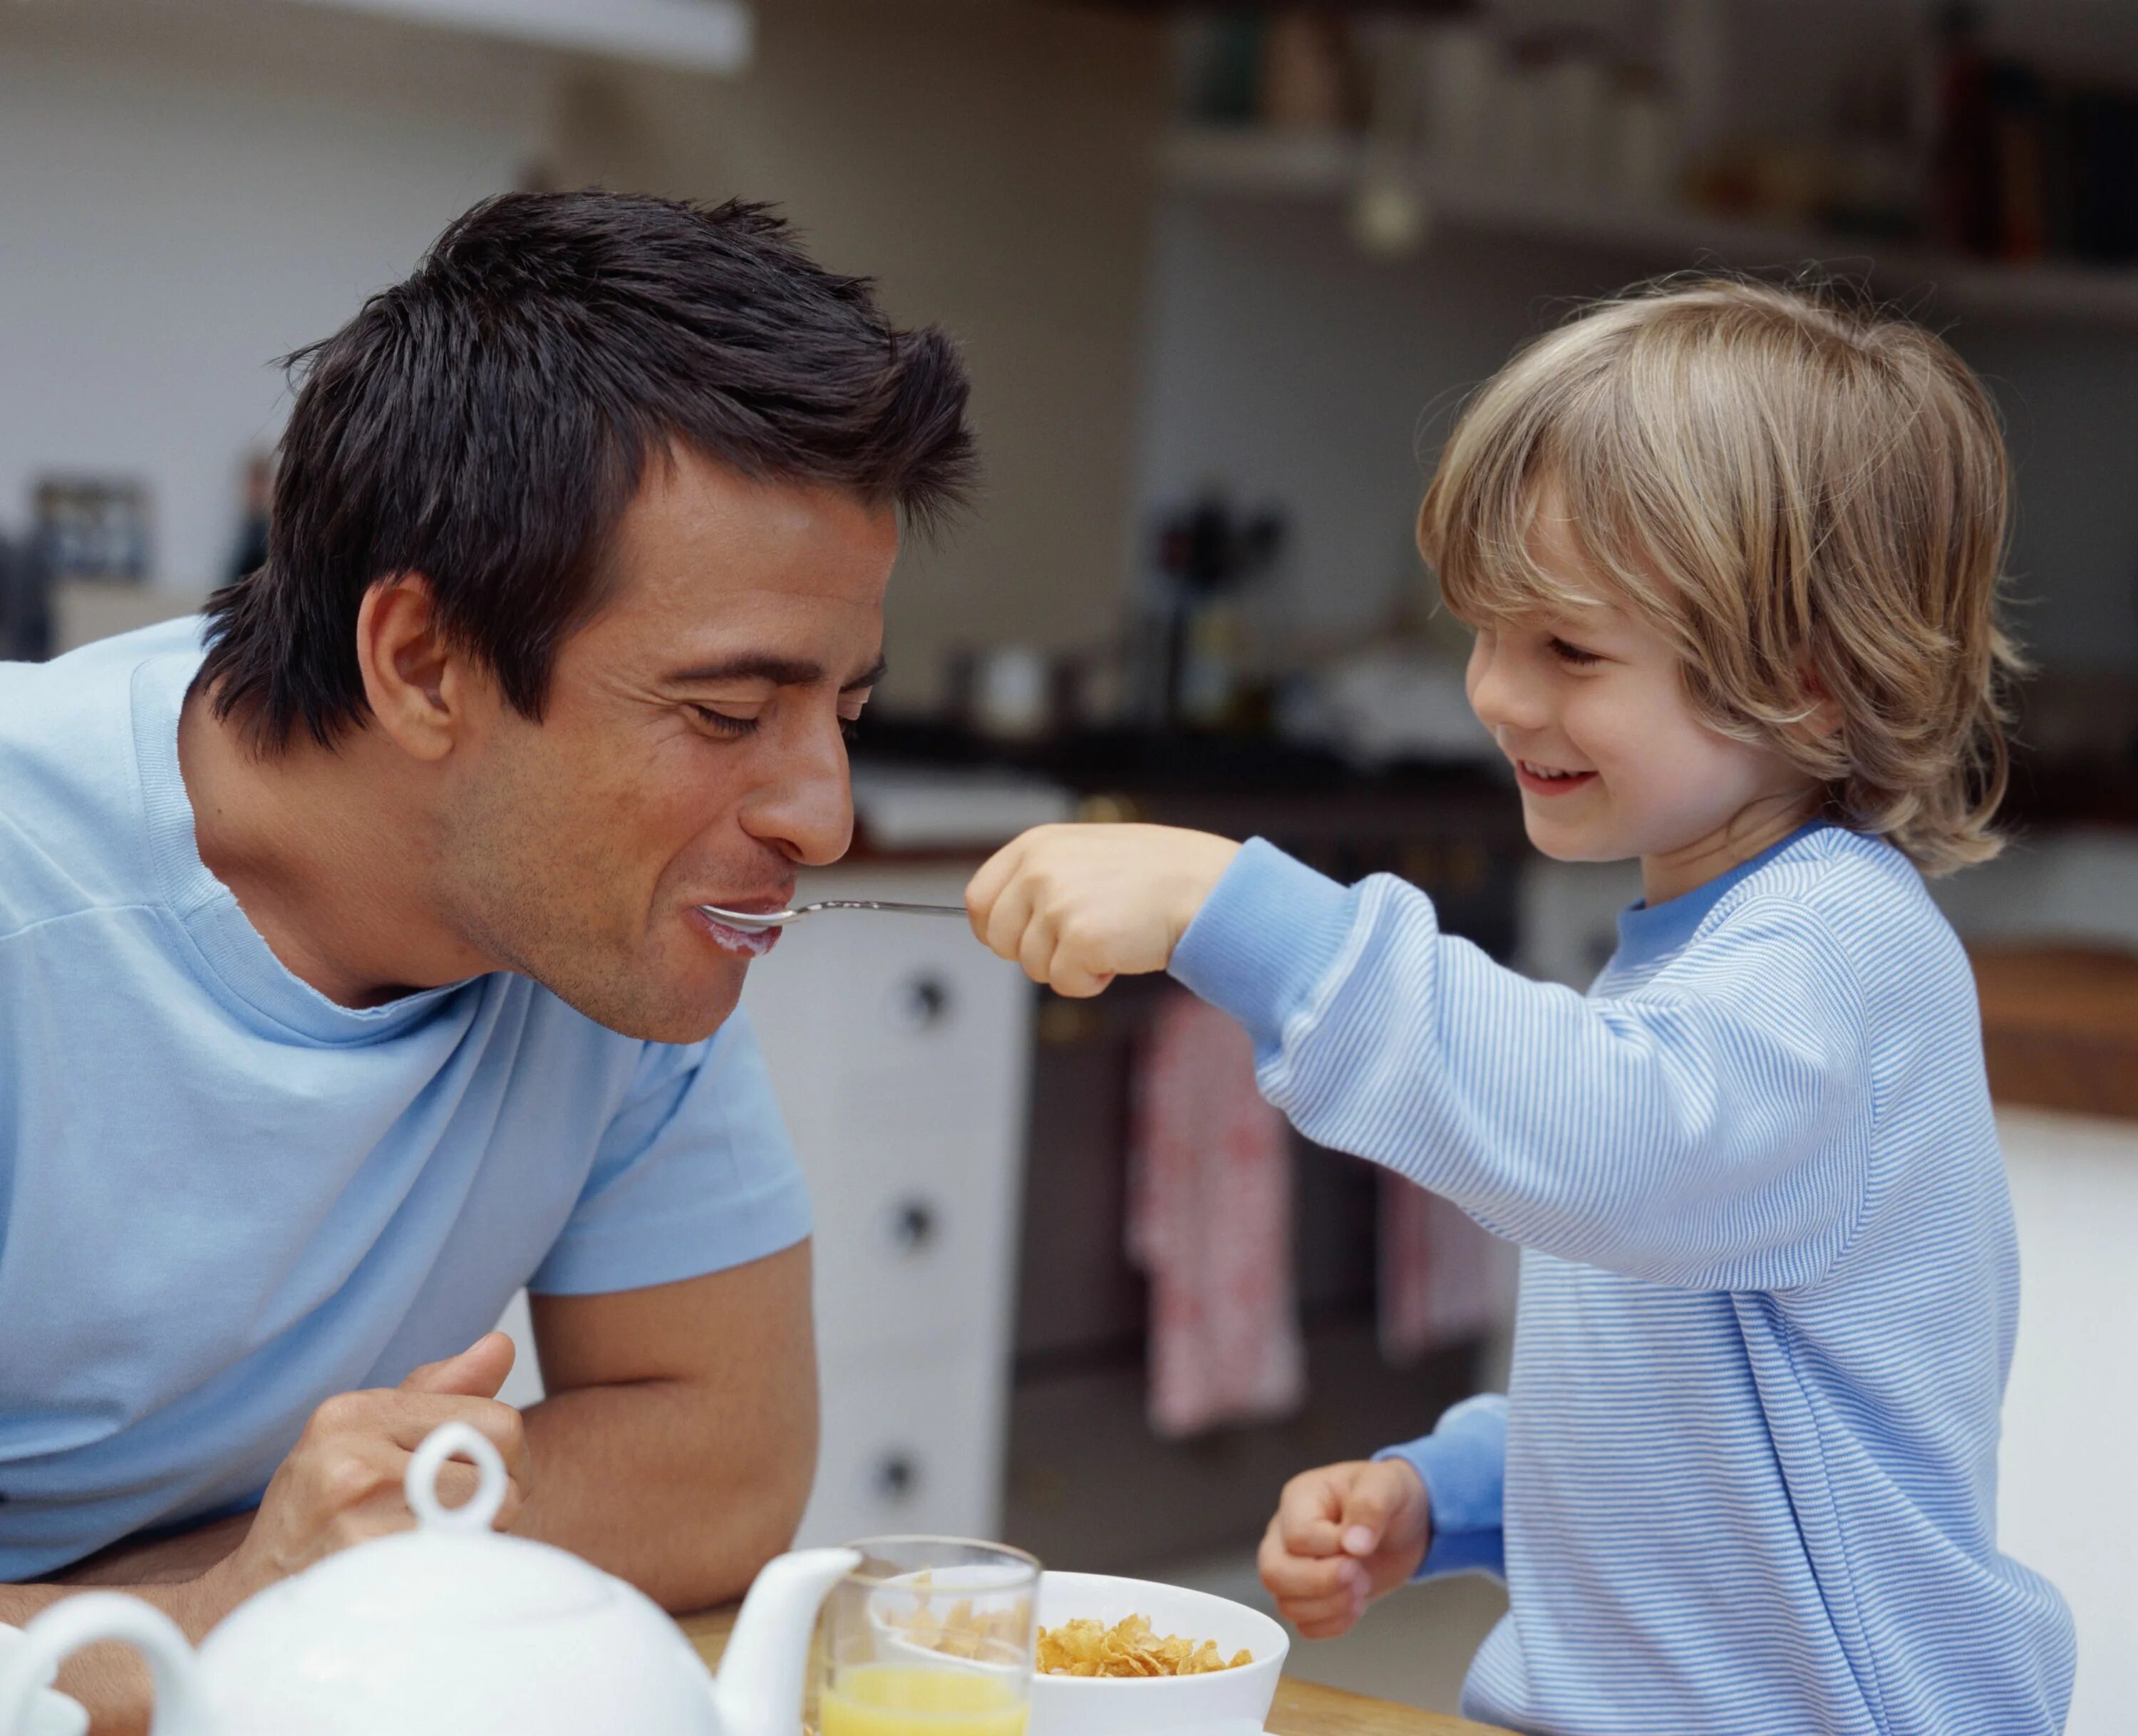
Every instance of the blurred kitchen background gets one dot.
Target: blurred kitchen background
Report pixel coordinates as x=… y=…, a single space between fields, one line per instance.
x=1223 y=276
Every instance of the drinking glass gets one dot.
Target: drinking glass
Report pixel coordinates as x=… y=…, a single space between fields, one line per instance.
x=929 y=1637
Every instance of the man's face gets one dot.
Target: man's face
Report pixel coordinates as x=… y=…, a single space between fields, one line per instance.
x=692 y=751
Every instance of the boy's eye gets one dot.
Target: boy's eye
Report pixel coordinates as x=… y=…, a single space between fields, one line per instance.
x=1574 y=653
x=722 y=722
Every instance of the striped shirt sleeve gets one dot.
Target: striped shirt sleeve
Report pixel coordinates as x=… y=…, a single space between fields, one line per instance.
x=1464 y=1465
x=1710 y=1130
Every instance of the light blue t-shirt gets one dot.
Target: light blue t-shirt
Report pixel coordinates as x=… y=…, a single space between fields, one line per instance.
x=224 y=1199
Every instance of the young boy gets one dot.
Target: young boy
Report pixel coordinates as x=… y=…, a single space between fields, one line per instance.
x=1731 y=554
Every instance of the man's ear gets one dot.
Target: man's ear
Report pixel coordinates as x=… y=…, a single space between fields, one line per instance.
x=415 y=679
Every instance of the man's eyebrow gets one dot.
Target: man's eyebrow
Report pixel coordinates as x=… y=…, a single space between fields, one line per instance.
x=764 y=666
x=749 y=666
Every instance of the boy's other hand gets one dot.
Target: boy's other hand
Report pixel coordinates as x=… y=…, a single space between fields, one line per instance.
x=1079 y=906
x=1342 y=1535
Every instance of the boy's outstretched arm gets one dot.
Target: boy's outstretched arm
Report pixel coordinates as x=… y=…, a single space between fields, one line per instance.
x=1709 y=1131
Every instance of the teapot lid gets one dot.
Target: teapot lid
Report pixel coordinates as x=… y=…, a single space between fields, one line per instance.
x=453 y=1569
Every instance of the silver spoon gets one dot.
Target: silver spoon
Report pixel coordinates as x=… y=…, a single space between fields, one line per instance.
x=756 y=922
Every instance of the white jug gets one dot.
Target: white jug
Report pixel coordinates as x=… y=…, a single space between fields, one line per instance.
x=451 y=1630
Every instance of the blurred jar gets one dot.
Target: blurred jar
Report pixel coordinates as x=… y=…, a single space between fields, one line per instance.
x=1013 y=693
x=1641 y=138
x=1459 y=79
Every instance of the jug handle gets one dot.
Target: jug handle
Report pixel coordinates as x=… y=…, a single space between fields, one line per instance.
x=454 y=1440
x=64 y=1628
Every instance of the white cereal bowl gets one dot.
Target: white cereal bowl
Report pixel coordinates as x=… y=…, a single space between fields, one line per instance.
x=1069 y=1706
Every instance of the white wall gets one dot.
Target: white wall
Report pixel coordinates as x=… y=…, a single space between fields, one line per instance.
x=1284 y=363
x=180 y=207
x=2068 y=1502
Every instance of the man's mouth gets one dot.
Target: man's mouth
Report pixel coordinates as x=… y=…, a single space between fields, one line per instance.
x=1540 y=779
x=741 y=942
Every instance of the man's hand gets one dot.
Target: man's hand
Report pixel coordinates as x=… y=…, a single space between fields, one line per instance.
x=342 y=1483
x=1079 y=906
x=1342 y=1535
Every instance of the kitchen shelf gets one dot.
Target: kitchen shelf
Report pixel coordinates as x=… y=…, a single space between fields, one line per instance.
x=1241 y=161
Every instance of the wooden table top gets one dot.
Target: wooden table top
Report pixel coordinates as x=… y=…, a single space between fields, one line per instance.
x=1302 y=1708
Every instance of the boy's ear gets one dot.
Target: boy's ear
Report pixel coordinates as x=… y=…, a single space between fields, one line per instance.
x=1823 y=721
x=415 y=679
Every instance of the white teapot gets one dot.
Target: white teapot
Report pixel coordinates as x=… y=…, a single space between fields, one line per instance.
x=451 y=1630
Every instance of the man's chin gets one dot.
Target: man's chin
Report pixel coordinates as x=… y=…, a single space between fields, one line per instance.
x=688 y=1011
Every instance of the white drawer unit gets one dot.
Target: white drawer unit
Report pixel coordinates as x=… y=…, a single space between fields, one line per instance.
x=899 y=1051
x=913 y=1442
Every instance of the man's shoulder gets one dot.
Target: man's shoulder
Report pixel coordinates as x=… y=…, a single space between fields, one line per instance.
x=70 y=825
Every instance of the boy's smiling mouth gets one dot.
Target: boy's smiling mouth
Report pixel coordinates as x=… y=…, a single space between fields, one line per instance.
x=1544 y=780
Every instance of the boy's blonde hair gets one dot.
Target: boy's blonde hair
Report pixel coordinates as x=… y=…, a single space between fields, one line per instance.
x=1807 y=499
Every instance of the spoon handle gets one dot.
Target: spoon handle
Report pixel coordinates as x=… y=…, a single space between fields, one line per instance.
x=876 y=903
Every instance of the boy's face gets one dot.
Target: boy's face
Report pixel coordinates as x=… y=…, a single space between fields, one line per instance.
x=1589 y=707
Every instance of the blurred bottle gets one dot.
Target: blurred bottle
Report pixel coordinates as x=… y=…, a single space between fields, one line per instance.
x=248 y=551
x=25 y=617
x=1224 y=70
x=1308 y=82
x=1642 y=149
x=1459 y=74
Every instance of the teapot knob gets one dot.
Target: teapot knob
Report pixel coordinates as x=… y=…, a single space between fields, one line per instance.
x=456 y=1440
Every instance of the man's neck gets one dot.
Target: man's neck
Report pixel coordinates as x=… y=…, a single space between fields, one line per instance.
x=325 y=867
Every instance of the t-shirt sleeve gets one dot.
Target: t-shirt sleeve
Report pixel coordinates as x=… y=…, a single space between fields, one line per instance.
x=695 y=1175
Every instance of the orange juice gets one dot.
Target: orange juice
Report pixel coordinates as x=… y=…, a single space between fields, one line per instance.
x=915 y=1700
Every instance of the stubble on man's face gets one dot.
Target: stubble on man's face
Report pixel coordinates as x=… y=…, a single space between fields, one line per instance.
x=659 y=778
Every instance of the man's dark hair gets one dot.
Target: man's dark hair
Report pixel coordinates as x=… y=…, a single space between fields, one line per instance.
x=486 y=422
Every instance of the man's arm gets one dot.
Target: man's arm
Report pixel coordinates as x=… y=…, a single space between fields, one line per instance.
x=678 y=1441
x=340 y=1485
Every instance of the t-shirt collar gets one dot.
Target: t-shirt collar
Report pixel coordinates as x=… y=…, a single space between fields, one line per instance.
x=1649 y=932
x=233 y=950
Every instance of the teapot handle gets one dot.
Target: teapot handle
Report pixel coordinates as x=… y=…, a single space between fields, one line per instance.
x=452 y=1440
x=65 y=1628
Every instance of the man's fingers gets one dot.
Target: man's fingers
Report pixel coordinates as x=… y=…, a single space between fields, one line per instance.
x=476 y=1372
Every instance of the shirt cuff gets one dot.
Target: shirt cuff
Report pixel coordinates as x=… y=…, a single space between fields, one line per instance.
x=1464 y=1465
x=1264 y=939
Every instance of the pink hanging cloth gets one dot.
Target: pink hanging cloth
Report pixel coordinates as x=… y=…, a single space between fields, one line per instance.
x=1444 y=1279
x=1210 y=1223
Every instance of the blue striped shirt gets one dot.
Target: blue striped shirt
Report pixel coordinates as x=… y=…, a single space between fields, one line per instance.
x=1745 y=1479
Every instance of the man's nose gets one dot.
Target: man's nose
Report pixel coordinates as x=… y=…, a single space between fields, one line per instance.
x=804 y=807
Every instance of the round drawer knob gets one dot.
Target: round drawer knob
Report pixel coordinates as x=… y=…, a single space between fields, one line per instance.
x=923 y=1002
x=897 y=1476
x=915 y=1225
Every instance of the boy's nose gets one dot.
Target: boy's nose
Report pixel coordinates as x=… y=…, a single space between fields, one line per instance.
x=1501 y=695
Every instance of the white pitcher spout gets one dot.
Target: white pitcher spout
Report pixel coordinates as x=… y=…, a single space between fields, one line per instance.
x=759 y=1691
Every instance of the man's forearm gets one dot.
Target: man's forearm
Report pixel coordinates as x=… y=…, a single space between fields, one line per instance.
x=648 y=1481
x=111 y=1681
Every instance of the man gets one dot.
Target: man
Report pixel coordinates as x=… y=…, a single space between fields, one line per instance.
x=352 y=973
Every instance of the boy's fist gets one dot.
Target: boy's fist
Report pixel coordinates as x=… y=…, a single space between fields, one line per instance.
x=1079 y=906
x=1343 y=1534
